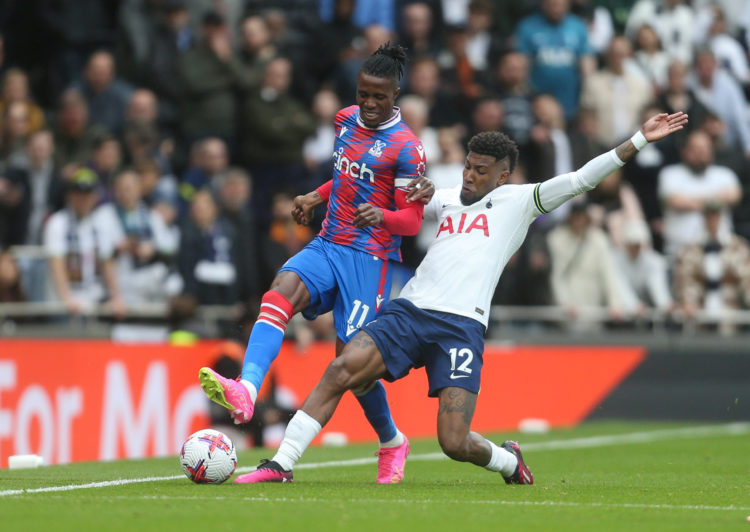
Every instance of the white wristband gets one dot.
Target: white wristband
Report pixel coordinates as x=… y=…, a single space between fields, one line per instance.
x=638 y=140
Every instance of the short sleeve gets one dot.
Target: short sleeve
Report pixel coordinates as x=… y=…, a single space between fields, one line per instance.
x=55 y=243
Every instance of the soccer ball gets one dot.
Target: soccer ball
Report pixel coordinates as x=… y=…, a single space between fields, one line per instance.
x=208 y=457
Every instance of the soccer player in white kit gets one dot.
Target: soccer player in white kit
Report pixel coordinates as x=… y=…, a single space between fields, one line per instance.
x=439 y=319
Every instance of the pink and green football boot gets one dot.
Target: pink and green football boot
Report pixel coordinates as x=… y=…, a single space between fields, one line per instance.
x=231 y=394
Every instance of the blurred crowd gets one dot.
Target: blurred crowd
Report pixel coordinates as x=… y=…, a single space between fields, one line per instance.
x=151 y=149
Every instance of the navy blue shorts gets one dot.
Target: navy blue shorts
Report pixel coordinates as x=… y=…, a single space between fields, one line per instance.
x=449 y=346
x=352 y=283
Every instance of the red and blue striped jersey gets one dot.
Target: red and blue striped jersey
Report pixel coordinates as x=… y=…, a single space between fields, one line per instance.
x=369 y=165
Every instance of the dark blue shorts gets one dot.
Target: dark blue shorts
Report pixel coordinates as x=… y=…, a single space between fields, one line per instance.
x=449 y=346
x=352 y=283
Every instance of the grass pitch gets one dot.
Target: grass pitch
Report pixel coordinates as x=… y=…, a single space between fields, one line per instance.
x=599 y=476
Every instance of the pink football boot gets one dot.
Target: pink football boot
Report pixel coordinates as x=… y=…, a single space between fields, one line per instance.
x=391 y=461
x=231 y=394
x=268 y=471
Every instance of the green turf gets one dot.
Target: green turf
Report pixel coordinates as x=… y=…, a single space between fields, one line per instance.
x=689 y=480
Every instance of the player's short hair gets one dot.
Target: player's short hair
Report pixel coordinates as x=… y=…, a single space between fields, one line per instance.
x=387 y=61
x=497 y=145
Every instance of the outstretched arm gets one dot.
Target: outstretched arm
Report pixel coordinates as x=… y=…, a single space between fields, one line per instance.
x=556 y=191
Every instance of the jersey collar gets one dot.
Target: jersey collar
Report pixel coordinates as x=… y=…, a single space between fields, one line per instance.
x=392 y=121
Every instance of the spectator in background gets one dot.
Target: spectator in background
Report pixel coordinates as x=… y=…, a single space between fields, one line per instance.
x=457 y=73
x=423 y=80
x=14 y=207
x=727 y=50
x=256 y=48
x=612 y=205
x=685 y=188
x=234 y=196
x=143 y=136
x=511 y=84
x=363 y=14
x=207 y=259
x=415 y=113
x=483 y=45
x=74 y=134
x=598 y=22
x=144 y=247
x=678 y=96
x=318 y=147
x=173 y=36
x=716 y=89
x=713 y=274
x=275 y=126
x=643 y=270
x=106 y=159
x=616 y=95
x=674 y=21
x=15 y=133
x=81 y=261
x=210 y=75
x=583 y=271
x=557 y=45
x=106 y=96
x=488 y=115
x=159 y=193
x=209 y=162
x=46 y=187
x=652 y=60
x=418 y=30
x=16 y=89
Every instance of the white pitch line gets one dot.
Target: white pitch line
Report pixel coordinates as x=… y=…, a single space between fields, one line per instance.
x=411 y=501
x=574 y=443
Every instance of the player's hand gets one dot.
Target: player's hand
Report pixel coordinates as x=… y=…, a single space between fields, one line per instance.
x=420 y=189
x=367 y=215
x=659 y=126
x=302 y=212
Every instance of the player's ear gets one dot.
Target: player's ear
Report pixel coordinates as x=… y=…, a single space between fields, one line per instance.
x=396 y=92
x=503 y=177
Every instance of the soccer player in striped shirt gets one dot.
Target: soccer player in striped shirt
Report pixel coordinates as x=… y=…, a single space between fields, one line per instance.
x=376 y=194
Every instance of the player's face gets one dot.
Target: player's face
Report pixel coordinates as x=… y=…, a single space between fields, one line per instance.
x=375 y=97
x=482 y=174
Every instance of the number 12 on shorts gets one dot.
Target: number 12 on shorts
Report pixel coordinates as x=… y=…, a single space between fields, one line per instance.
x=466 y=357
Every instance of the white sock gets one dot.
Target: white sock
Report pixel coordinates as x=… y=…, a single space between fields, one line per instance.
x=301 y=430
x=250 y=389
x=502 y=461
x=397 y=440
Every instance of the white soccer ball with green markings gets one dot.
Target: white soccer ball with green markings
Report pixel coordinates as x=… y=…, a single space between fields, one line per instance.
x=208 y=457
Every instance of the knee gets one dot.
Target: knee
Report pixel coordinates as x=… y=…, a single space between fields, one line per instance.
x=338 y=377
x=454 y=446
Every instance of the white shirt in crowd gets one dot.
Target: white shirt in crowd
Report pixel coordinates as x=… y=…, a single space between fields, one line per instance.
x=685 y=227
x=81 y=243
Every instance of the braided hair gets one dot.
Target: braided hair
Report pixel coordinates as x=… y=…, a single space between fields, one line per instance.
x=387 y=61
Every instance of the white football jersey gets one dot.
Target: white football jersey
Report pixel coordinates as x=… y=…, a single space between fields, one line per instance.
x=473 y=244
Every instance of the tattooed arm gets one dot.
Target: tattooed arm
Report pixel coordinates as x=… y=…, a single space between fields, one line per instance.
x=556 y=191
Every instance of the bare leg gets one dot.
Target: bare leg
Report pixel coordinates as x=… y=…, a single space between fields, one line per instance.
x=454 y=421
x=289 y=285
x=360 y=362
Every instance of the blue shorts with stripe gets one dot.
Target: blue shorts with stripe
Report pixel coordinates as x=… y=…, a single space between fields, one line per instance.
x=449 y=346
x=352 y=283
